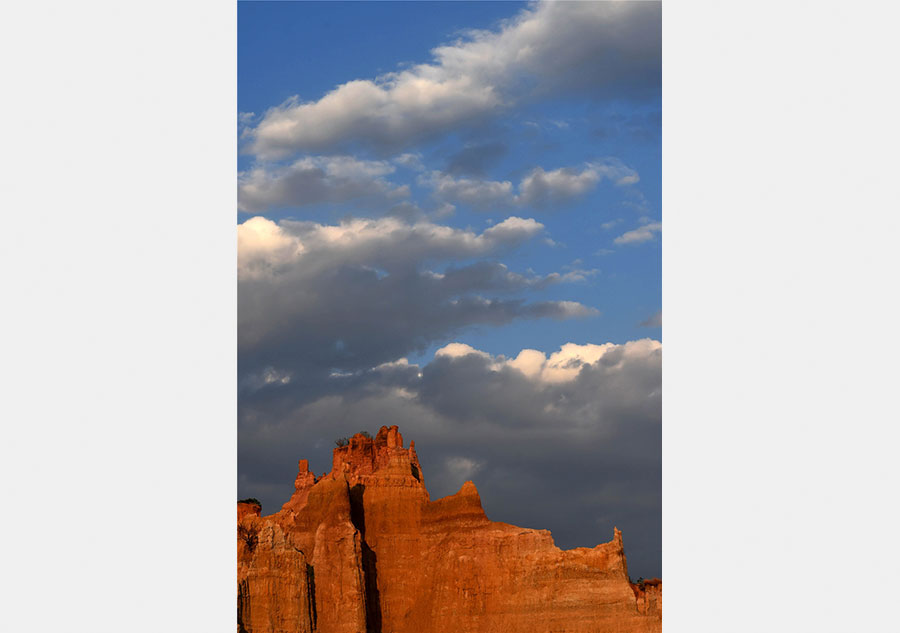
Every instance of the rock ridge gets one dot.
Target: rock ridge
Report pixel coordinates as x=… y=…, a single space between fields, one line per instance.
x=363 y=549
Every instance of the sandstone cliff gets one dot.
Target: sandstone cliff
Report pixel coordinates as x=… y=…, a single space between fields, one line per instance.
x=362 y=549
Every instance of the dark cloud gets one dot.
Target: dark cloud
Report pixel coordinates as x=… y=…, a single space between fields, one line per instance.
x=569 y=443
x=313 y=298
x=407 y=211
x=476 y=160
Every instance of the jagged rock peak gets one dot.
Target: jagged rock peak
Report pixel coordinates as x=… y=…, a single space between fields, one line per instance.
x=363 y=456
x=389 y=436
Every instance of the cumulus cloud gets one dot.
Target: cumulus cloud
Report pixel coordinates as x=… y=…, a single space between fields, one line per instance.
x=539 y=188
x=315 y=297
x=597 y=48
x=544 y=188
x=475 y=192
x=316 y=179
x=641 y=234
x=545 y=437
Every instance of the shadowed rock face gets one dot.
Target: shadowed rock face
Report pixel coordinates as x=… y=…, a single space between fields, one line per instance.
x=362 y=549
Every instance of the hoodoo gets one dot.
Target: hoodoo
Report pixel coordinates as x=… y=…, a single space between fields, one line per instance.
x=363 y=549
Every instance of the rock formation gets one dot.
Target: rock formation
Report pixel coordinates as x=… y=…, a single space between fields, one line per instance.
x=362 y=549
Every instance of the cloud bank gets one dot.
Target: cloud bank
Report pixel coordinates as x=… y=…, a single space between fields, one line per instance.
x=578 y=428
x=313 y=298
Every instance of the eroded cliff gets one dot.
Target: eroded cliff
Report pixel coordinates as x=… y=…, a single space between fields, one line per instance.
x=363 y=549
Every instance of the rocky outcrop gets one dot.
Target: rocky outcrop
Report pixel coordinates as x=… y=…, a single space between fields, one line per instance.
x=363 y=549
x=648 y=594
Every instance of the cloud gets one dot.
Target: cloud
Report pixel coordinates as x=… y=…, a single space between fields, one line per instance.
x=641 y=234
x=476 y=159
x=608 y=225
x=546 y=188
x=314 y=180
x=461 y=468
x=654 y=320
x=545 y=437
x=313 y=298
x=475 y=192
x=497 y=277
x=600 y=49
x=410 y=160
x=539 y=188
x=407 y=211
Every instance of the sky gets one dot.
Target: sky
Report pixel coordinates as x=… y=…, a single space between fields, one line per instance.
x=449 y=219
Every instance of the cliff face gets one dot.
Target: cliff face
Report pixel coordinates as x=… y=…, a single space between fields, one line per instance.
x=362 y=549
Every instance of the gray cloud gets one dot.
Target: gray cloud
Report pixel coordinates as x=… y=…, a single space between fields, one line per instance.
x=539 y=188
x=475 y=160
x=654 y=320
x=601 y=49
x=546 y=188
x=316 y=179
x=476 y=192
x=568 y=442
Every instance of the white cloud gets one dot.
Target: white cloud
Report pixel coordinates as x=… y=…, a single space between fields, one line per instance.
x=265 y=247
x=457 y=350
x=608 y=225
x=591 y=47
x=316 y=179
x=410 y=160
x=562 y=366
x=639 y=235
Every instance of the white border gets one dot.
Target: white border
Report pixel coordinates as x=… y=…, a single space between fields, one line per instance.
x=780 y=294
x=118 y=318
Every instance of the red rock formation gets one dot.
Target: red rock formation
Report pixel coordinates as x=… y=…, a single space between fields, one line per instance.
x=648 y=594
x=362 y=549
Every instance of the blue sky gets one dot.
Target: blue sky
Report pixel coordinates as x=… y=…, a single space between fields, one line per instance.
x=418 y=175
x=307 y=49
